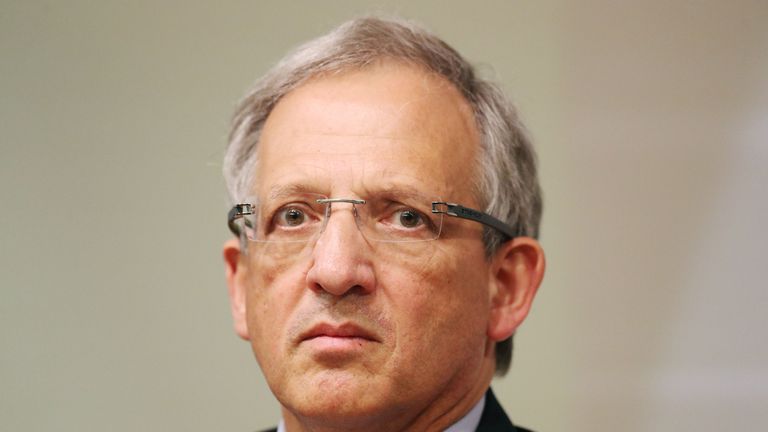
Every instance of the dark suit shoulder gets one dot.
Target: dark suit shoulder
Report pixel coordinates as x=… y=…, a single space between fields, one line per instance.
x=494 y=419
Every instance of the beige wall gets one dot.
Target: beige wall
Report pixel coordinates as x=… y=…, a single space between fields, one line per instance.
x=651 y=120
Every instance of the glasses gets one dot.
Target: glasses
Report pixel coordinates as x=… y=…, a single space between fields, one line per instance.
x=301 y=218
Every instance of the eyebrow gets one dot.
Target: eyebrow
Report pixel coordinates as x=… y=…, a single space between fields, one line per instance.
x=399 y=191
x=283 y=190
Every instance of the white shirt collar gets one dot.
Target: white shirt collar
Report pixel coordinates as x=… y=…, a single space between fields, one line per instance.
x=468 y=423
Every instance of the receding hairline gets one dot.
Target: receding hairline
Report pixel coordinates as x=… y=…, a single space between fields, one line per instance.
x=433 y=81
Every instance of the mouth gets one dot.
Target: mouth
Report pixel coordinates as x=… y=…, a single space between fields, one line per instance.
x=336 y=344
x=340 y=332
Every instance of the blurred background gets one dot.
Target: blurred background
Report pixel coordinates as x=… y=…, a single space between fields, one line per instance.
x=651 y=123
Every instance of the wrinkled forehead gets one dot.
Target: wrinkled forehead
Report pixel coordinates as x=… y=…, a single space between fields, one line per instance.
x=388 y=125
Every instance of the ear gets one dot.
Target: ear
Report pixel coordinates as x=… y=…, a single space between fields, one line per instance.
x=516 y=272
x=236 y=270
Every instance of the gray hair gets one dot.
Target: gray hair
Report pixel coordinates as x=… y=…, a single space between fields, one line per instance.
x=506 y=187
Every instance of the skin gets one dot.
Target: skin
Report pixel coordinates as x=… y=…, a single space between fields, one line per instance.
x=430 y=313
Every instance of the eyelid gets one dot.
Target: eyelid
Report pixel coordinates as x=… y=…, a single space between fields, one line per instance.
x=308 y=211
x=425 y=221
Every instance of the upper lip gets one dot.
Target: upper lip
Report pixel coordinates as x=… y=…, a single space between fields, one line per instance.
x=347 y=329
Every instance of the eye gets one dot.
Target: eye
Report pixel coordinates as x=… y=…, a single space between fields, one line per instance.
x=290 y=217
x=409 y=218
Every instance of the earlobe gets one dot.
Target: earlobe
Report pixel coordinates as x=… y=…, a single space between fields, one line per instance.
x=235 y=272
x=517 y=271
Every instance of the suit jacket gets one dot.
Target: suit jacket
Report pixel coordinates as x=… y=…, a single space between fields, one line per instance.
x=493 y=419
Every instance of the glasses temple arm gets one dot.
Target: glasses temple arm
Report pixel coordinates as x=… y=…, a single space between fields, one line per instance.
x=460 y=211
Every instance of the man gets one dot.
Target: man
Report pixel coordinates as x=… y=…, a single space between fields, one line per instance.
x=374 y=294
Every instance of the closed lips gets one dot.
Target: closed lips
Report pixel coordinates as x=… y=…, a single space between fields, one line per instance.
x=347 y=330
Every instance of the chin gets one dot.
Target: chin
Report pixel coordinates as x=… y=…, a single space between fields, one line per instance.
x=335 y=394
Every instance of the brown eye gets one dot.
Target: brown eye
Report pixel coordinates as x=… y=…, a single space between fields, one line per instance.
x=410 y=218
x=290 y=217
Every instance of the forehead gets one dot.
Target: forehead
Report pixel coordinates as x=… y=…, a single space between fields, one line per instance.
x=385 y=126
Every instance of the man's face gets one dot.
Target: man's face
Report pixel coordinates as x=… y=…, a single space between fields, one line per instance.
x=347 y=327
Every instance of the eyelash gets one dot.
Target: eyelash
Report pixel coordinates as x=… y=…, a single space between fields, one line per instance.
x=305 y=209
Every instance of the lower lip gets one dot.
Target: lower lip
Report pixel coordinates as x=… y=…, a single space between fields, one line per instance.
x=337 y=344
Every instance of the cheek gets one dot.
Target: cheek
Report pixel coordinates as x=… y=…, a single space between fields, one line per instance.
x=441 y=307
x=456 y=279
x=270 y=300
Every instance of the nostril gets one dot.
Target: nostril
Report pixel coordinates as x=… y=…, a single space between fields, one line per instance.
x=358 y=290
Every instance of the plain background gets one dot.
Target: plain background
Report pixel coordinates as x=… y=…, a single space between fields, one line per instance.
x=651 y=123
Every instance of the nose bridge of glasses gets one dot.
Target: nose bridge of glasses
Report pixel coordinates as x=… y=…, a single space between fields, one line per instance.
x=328 y=202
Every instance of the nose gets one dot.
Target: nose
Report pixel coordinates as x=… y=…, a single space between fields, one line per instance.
x=341 y=259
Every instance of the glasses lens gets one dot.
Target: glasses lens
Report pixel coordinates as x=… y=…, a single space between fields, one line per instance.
x=290 y=218
x=299 y=218
x=399 y=219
